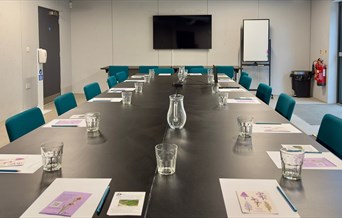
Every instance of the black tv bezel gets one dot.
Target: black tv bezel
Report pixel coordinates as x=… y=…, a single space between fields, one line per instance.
x=180 y=15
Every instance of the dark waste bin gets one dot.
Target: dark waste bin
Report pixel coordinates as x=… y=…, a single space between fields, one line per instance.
x=301 y=83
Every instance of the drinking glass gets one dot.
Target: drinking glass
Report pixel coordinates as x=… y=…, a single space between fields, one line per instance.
x=52 y=155
x=138 y=87
x=223 y=98
x=246 y=124
x=291 y=163
x=166 y=155
x=126 y=97
x=92 y=121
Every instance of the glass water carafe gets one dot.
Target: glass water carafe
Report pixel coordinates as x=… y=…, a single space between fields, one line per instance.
x=176 y=116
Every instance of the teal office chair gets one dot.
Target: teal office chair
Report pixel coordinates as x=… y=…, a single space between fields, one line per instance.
x=329 y=134
x=246 y=82
x=145 y=69
x=65 y=103
x=264 y=93
x=285 y=105
x=91 y=90
x=189 y=67
x=111 y=81
x=201 y=70
x=228 y=70
x=23 y=123
x=243 y=73
x=113 y=70
x=121 y=76
x=164 y=70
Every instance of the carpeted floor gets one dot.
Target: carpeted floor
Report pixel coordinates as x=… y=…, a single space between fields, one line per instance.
x=313 y=113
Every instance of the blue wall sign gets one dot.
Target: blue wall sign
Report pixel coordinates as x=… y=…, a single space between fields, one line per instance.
x=40 y=75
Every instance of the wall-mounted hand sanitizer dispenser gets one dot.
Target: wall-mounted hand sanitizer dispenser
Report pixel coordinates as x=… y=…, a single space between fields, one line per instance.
x=42 y=56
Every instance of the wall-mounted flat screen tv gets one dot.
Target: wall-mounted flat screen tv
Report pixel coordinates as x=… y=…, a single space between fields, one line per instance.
x=182 y=32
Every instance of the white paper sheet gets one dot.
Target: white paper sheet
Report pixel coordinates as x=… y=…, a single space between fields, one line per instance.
x=242 y=100
x=54 y=123
x=232 y=90
x=134 y=80
x=137 y=76
x=306 y=148
x=96 y=187
x=32 y=163
x=225 y=80
x=119 y=90
x=195 y=74
x=222 y=75
x=78 y=116
x=164 y=74
x=275 y=156
x=105 y=100
x=126 y=204
x=275 y=128
x=230 y=186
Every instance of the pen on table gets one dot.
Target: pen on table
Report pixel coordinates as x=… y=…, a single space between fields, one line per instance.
x=287 y=199
x=313 y=152
x=8 y=171
x=105 y=194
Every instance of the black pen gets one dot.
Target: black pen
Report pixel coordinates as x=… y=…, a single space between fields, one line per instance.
x=287 y=199
x=103 y=199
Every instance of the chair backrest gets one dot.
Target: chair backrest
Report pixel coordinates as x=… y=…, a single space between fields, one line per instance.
x=121 y=76
x=201 y=70
x=113 y=70
x=329 y=134
x=264 y=93
x=111 y=81
x=145 y=69
x=246 y=82
x=228 y=70
x=91 y=90
x=164 y=70
x=243 y=73
x=194 y=66
x=285 y=105
x=23 y=123
x=65 y=103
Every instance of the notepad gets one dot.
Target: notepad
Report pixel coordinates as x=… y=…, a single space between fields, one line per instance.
x=228 y=80
x=243 y=100
x=20 y=163
x=91 y=189
x=232 y=90
x=275 y=128
x=137 y=76
x=134 y=81
x=119 y=90
x=195 y=74
x=105 y=100
x=164 y=74
x=247 y=197
x=66 y=123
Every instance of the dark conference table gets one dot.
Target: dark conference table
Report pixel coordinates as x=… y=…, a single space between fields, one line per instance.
x=209 y=149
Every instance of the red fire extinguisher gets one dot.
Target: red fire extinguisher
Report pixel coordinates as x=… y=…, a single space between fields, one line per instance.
x=319 y=69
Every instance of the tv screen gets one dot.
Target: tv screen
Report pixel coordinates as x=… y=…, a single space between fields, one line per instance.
x=182 y=32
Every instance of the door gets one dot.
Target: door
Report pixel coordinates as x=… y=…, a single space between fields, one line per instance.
x=49 y=40
x=339 y=72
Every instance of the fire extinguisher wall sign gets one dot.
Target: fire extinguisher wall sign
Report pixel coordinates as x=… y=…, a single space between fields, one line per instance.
x=319 y=69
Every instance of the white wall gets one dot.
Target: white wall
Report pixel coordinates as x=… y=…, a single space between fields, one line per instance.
x=19 y=40
x=130 y=42
x=324 y=34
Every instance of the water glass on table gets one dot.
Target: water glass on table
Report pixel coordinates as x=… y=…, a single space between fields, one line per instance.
x=138 y=87
x=126 y=97
x=147 y=78
x=210 y=78
x=92 y=121
x=166 y=155
x=291 y=163
x=151 y=73
x=52 y=155
x=246 y=125
x=223 y=98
